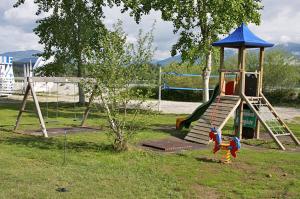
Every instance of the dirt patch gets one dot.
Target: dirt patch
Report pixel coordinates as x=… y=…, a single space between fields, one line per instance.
x=267 y=142
x=202 y=191
x=60 y=131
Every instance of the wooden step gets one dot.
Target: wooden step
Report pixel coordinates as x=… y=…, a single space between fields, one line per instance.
x=222 y=110
x=225 y=102
x=229 y=97
x=216 y=115
x=199 y=136
x=204 y=125
x=215 y=119
x=200 y=129
x=200 y=141
x=219 y=112
x=212 y=106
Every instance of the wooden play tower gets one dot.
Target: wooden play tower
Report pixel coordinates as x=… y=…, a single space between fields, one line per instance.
x=243 y=93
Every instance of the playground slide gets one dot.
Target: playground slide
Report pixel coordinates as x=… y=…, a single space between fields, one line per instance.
x=186 y=122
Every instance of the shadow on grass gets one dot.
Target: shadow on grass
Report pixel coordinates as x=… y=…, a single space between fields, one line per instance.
x=6 y=128
x=209 y=160
x=55 y=144
x=62 y=109
x=171 y=130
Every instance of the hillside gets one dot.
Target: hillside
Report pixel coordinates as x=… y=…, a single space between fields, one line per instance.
x=293 y=48
x=23 y=56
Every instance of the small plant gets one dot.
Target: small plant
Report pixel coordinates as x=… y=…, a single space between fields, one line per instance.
x=116 y=69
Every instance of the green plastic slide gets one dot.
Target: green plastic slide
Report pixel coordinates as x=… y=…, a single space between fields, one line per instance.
x=186 y=122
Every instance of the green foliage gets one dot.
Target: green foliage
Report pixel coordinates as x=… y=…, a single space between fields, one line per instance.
x=181 y=81
x=32 y=166
x=115 y=69
x=69 y=28
x=279 y=71
x=283 y=96
x=280 y=68
x=200 y=22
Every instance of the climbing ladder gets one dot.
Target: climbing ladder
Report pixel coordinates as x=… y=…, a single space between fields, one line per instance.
x=218 y=113
x=270 y=119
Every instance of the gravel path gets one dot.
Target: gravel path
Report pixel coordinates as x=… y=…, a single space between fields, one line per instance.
x=172 y=107
x=286 y=113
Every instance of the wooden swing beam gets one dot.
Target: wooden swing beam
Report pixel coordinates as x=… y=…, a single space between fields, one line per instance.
x=30 y=90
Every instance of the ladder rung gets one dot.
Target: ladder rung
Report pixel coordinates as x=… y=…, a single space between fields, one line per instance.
x=254 y=97
x=282 y=134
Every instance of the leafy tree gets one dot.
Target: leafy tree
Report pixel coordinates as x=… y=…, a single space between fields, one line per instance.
x=70 y=27
x=280 y=68
x=280 y=71
x=115 y=69
x=199 y=23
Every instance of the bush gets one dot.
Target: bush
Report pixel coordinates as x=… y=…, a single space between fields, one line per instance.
x=283 y=97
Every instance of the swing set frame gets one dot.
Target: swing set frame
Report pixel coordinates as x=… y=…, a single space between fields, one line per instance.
x=30 y=90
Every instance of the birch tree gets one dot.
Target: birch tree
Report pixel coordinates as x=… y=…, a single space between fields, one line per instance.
x=116 y=68
x=199 y=23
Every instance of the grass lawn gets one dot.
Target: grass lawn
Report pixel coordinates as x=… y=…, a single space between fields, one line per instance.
x=32 y=167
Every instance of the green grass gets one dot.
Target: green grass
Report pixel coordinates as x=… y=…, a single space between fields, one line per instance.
x=32 y=167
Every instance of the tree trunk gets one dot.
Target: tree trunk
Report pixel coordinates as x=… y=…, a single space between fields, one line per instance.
x=81 y=94
x=205 y=75
x=80 y=87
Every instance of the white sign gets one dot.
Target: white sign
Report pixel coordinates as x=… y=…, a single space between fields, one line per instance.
x=4 y=60
x=7 y=79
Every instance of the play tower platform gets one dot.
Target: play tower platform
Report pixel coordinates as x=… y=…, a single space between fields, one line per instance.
x=245 y=92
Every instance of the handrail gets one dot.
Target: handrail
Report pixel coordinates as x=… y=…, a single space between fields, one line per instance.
x=254 y=73
x=230 y=70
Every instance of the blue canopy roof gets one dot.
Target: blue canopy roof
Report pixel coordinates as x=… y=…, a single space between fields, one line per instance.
x=242 y=36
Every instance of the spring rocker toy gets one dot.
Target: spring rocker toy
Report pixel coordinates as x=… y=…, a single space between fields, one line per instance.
x=230 y=148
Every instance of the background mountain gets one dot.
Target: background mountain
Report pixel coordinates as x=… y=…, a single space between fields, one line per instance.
x=169 y=60
x=20 y=58
x=293 y=48
x=23 y=56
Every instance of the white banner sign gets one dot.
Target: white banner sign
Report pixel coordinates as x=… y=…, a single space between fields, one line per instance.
x=7 y=79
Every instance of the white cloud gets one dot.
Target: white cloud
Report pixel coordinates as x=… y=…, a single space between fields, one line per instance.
x=280 y=23
x=13 y=38
x=5 y=4
x=163 y=31
x=22 y=15
x=161 y=54
x=285 y=39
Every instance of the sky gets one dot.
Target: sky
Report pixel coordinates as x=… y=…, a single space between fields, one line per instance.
x=280 y=24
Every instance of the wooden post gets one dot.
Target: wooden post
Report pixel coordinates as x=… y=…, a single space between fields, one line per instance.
x=37 y=106
x=221 y=78
x=242 y=60
x=259 y=86
x=88 y=108
x=23 y=106
x=159 y=90
x=38 y=110
x=261 y=68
